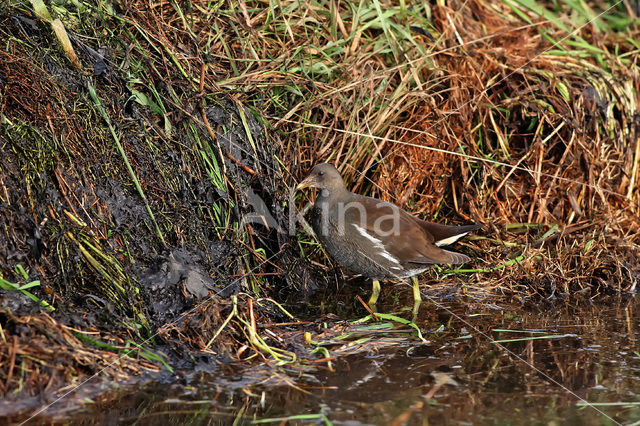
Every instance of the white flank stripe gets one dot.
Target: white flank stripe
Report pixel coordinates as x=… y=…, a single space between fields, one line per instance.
x=377 y=244
x=365 y=234
x=386 y=255
x=450 y=240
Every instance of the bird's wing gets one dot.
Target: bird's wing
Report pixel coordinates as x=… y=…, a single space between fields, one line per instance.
x=397 y=233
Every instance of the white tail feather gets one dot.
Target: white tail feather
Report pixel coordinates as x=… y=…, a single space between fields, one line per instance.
x=450 y=240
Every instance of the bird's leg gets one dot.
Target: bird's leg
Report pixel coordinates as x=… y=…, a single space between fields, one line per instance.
x=375 y=292
x=416 y=298
x=416 y=289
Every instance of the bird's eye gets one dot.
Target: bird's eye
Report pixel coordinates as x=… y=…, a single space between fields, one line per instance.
x=320 y=173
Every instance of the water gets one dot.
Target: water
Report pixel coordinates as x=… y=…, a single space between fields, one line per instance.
x=554 y=360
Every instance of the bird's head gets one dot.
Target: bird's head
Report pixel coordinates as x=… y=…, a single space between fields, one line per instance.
x=323 y=176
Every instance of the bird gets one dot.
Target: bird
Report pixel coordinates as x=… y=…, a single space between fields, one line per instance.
x=377 y=239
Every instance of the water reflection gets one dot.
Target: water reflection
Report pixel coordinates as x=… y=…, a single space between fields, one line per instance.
x=552 y=357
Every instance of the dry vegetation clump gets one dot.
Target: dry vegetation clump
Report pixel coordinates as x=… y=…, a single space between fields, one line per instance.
x=232 y=328
x=530 y=127
x=42 y=357
x=548 y=148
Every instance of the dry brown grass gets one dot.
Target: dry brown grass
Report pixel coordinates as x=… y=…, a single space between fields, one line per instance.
x=506 y=130
x=41 y=356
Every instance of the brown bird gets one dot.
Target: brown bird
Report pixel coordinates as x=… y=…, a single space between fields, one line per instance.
x=375 y=238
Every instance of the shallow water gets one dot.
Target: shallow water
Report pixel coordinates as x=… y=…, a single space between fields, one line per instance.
x=570 y=363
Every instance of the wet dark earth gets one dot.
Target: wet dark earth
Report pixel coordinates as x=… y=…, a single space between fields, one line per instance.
x=561 y=362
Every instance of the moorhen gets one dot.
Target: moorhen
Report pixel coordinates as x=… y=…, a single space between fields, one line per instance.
x=375 y=238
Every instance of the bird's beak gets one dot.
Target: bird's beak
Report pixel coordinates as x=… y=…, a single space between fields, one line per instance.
x=306 y=183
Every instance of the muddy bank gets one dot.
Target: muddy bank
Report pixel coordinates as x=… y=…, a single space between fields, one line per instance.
x=118 y=216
